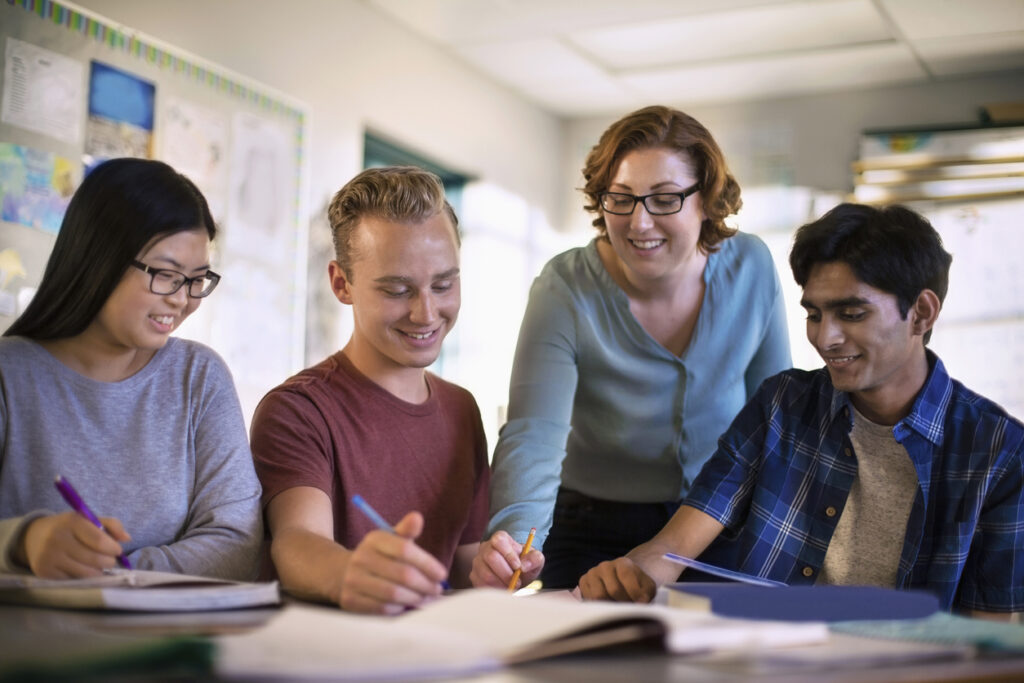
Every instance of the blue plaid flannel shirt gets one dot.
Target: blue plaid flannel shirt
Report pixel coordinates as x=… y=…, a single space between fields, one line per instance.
x=783 y=471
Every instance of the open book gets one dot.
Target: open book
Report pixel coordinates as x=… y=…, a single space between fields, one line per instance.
x=479 y=630
x=137 y=590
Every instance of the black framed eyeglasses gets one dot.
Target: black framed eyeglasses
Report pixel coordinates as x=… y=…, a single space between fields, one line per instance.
x=657 y=203
x=164 y=281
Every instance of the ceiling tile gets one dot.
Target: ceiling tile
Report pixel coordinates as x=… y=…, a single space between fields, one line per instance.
x=786 y=27
x=583 y=98
x=940 y=18
x=590 y=57
x=781 y=76
x=972 y=54
x=459 y=22
x=523 y=62
x=548 y=73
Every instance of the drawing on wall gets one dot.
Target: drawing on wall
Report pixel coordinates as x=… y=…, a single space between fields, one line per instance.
x=120 y=115
x=35 y=186
x=262 y=189
x=43 y=91
x=10 y=268
x=194 y=140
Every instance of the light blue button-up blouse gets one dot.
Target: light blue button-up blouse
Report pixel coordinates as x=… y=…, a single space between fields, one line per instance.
x=600 y=407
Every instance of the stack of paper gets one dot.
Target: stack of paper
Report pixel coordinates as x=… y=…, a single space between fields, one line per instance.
x=137 y=590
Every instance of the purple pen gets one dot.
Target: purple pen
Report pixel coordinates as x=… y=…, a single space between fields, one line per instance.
x=68 y=492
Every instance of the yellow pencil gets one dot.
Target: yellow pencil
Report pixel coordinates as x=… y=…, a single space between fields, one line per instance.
x=526 y=549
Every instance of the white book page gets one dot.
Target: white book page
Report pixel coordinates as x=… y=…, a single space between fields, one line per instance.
x=110 y=578
x=510 y=625
x=307 y=641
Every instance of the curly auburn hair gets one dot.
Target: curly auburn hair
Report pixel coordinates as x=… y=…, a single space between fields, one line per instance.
x=660 y=126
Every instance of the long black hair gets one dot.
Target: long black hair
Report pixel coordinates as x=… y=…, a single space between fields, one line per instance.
x=121 y=206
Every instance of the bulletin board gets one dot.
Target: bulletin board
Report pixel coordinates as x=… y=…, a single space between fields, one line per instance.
x=77 y=89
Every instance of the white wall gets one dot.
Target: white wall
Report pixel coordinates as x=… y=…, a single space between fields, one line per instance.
x=809 y=141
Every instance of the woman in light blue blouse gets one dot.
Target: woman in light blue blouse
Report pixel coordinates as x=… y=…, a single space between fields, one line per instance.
x=635 y=353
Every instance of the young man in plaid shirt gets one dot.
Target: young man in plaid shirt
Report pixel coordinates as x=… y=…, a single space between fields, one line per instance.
x=878 y=469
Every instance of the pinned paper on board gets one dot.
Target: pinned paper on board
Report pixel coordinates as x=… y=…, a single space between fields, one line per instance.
x=35 y=186
x=194 y=140
x=120 y=115
x=42 y=91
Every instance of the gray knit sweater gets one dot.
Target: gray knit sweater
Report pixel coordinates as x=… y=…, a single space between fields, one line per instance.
x=164 y=451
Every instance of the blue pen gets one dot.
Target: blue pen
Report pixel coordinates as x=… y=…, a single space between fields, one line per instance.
x=68 y=492
x=722 y=572
x=381 y=523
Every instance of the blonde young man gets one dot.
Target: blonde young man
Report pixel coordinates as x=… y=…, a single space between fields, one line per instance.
x=371 y=421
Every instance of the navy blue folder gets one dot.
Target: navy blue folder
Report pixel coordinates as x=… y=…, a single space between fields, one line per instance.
x=804 y=603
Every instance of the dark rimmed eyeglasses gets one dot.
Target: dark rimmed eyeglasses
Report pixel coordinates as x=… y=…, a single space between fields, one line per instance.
x=164 y=281
x=657 y=203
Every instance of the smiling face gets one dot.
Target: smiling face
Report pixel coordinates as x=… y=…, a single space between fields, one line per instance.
x=654 y=247
x=404 y=292
x=870 y=349
x=135 y=319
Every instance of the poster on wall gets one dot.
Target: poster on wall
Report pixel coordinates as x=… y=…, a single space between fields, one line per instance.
x=42 y=91
x=35 y=186
x=120 y=115
x=258 y=244
x=262 y=197
x=11 y=270
x=194 y=140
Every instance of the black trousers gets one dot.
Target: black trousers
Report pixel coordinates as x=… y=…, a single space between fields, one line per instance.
x=587 y=531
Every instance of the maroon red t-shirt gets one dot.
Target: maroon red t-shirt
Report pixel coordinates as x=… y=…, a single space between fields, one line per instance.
x=332 y=428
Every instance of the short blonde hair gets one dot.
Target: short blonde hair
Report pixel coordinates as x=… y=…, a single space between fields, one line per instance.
x=403 y=194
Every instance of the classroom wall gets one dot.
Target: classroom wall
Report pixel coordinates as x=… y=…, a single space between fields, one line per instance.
x=809 y=141
x=355 y=68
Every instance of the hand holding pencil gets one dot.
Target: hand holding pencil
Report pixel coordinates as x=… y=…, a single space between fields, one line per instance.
x=512 y=585
x=501 y=562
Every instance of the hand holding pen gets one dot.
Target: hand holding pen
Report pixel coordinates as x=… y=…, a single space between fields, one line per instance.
x=387 y=572
x=72 y=544
x=71 y=497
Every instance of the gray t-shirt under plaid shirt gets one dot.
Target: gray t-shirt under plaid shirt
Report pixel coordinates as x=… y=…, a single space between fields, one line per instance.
x=865 y=548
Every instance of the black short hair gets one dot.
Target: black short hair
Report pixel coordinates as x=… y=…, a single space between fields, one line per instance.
x=120 y=207
x=892 y=248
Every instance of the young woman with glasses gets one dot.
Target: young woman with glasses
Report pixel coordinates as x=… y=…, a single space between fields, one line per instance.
x=635 y=353
x=95 y=390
